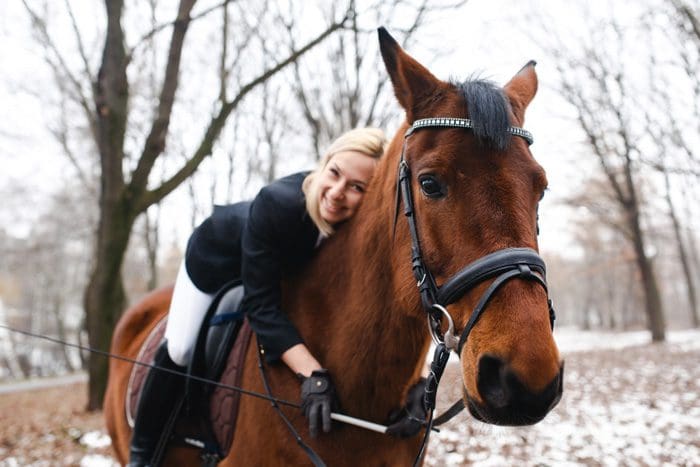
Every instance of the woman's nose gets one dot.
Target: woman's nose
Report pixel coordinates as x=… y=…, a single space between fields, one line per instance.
x=337 y=190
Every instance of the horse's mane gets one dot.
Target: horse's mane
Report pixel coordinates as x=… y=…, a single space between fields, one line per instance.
x=489 y=111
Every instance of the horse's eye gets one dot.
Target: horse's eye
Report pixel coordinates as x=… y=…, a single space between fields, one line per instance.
x=431 y=186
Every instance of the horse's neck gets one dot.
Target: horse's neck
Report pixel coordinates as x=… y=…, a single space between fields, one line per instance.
x=363 y=330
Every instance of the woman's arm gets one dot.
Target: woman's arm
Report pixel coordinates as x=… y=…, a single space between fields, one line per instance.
x=300 y=360
x=264 y=245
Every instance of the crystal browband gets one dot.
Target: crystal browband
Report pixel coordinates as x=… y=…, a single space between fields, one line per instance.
x=463 y=123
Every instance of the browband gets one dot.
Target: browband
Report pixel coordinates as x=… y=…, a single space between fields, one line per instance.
x=453 y=122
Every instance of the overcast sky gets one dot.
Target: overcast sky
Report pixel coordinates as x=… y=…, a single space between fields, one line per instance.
x=489 y=37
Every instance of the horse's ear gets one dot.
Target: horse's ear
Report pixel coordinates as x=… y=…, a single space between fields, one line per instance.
x=522 y=88
x=413 y=83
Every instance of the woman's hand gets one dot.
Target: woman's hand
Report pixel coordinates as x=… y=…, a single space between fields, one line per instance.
x=318 y=400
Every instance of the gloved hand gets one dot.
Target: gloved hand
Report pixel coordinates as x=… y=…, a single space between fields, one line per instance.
x=318 y=400
x=408 y=421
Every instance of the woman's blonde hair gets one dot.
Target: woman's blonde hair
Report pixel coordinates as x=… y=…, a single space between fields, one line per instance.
x=368 y=141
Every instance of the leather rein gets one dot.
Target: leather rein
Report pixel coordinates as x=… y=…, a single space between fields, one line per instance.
x=503 y=265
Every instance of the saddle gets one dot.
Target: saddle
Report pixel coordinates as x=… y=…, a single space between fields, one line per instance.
x=208 y=414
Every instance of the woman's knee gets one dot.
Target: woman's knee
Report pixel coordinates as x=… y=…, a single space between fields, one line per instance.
x=179 y=353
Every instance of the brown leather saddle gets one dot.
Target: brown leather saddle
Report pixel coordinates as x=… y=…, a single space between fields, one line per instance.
x=208 y=414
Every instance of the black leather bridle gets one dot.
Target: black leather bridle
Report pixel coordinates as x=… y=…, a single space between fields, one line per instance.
x=503 y=265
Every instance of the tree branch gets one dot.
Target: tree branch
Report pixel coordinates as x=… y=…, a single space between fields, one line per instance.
x=146 y=37
x=79 y=41
x=685 y=11
x=217 y=123
x=61 y=68
x=155 y=141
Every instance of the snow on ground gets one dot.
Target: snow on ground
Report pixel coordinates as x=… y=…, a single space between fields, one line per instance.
x=626 y=402
x=570 y=339
x=633 y=404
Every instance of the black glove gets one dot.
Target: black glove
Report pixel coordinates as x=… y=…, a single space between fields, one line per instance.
x=318 y=399
x=408 y=421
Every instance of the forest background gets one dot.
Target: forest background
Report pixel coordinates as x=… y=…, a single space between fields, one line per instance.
x=126 y=121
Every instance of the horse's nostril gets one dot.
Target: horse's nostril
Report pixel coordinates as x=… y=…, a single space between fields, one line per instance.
x=493 y=381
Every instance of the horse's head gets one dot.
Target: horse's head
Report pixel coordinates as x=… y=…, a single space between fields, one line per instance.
x=475 y=188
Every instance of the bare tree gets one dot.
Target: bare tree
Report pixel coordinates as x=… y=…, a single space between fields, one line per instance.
x=608 y=286
x=48 y=269
x=689 y=15
x=359 y=94
x=674 y=155
x=605 y=111
x=123 y=196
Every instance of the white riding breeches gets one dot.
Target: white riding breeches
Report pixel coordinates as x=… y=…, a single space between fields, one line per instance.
x=187 y=311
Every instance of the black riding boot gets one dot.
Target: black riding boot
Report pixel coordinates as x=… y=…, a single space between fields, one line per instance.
x=161 y=390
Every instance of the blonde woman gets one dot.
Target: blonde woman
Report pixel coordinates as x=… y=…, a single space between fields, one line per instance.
x=260 y=242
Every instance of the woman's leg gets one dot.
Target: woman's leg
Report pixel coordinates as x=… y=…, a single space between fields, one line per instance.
x=187 y=310
x=162 y=389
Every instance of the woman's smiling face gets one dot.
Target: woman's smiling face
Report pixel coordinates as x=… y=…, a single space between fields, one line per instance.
x=342 y=184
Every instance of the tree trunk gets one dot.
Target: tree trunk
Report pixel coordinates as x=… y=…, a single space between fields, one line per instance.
x=683 y=255
x=105 y=300
x=104 y=296
x=652 y=298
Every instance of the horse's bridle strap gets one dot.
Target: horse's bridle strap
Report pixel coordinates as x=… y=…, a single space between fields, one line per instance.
x=520 y=271
x=454 y=122
x=486 y=267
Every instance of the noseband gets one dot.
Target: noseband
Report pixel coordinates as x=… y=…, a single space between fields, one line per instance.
x=502 y=265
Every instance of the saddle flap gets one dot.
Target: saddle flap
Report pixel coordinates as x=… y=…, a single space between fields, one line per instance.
x=139 y=372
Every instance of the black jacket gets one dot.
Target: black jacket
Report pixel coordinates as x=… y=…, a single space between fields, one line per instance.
x=260 y=242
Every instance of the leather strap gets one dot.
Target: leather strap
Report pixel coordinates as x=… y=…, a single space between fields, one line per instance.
x=487 y=267
x=450 y=413
x=311 y=454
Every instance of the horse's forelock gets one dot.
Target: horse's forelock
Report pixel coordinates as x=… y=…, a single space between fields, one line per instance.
x=488 y=110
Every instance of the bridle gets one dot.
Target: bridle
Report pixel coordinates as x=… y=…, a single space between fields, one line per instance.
x=503 y=265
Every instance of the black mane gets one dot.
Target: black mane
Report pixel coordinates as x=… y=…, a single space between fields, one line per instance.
x=488 y=110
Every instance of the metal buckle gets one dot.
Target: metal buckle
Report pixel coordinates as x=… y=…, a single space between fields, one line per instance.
x=448 y=339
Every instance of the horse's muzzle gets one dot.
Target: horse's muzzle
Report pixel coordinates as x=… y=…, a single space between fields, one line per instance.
x=506 y=401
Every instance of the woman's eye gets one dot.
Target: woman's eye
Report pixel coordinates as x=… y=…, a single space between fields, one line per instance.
x=431 y=187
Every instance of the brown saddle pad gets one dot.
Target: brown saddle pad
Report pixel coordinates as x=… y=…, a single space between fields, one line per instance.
x=223 y=402
x=139 y=372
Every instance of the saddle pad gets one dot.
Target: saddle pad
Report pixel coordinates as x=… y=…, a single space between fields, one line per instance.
x=139 y=372
x=223 y=404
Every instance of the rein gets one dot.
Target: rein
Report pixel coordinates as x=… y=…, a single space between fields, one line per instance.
x=504 y=265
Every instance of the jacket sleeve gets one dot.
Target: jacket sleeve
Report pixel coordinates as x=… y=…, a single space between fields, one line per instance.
x=261 y=271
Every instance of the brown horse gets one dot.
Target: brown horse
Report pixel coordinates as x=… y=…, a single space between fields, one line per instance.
x=473 y=192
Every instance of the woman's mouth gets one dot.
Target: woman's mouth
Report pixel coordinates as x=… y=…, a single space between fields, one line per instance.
x=330 y=207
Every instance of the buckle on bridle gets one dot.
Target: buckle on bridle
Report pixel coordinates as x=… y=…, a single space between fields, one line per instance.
x=448 y=339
